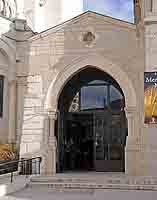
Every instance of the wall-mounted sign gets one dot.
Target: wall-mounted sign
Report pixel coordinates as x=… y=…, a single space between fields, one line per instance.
x=150 y=97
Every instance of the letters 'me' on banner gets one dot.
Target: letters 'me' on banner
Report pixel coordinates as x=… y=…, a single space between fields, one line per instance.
x=150 y=97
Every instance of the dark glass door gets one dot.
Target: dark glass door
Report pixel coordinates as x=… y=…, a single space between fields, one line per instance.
x=76 y=142
x=110 y=136
x=92 y=141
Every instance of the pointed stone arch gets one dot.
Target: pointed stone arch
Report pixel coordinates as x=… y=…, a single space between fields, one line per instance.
x=55 y=89
x=96 y=61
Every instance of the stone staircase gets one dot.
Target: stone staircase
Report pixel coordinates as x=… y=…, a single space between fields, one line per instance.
x=94 y=181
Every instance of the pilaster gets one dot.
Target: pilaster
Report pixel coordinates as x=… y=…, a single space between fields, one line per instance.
x=49 y=154
x=21 y=84
x=12 y=112
x=134 y=154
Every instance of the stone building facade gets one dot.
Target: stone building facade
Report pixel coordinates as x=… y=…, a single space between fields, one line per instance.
x=37 y=66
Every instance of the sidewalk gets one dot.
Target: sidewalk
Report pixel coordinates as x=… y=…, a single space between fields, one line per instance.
x=6 y=187
x=36 y=194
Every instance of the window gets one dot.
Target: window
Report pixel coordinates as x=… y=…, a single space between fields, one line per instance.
x=93 y=97
x=94 y=91
x=1 y=94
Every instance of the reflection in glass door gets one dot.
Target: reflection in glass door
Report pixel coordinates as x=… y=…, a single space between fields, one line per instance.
x=92 y=126
x=110 y=137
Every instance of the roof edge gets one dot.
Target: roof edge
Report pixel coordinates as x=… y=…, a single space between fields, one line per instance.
x=125 y=24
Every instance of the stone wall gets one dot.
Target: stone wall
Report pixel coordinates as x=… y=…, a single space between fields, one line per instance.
x=51 y=53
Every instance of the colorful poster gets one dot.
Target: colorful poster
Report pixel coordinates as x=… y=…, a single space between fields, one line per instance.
x=150 y=97
x=7 y=152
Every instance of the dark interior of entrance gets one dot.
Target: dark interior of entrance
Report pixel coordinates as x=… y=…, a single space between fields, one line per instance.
x=91 y=128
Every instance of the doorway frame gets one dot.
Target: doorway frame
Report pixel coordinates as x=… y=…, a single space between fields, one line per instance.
x=113 y=69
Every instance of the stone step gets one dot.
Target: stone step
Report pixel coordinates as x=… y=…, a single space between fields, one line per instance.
x=95 y=182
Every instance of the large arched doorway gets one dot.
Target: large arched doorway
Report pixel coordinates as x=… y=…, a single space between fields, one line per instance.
x=91 y=129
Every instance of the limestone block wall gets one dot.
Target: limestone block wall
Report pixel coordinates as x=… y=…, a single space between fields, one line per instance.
x=32 y=119
x=52 y=52
x=13 y=44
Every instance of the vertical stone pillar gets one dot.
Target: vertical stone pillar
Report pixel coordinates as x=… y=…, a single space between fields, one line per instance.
x=45 y=140
x=20 y=9
x=12 y=112
x=21 y=86
x=49 y=157
x=132 y=142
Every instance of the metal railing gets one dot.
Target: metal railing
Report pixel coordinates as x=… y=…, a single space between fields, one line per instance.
x=23 y=167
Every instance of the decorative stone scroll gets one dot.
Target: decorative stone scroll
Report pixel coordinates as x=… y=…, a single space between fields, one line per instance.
x=8 y=8
x=88 y=38
x=42 y=3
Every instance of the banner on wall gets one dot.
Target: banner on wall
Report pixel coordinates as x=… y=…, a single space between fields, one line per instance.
x=150 y=97
x=7 y=152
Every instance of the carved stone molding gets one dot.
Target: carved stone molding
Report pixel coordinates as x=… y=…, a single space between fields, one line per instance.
x=42 y=3
x=130 y=112
x=52 y=115
x=22 y=81
x=8 y=8
x=88 y=38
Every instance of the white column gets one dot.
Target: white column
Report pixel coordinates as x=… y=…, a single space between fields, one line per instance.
x=45 y=145
x=49 y=155
x=20 y=9
x=131 y=121
x=21 y=84
x=132 y=142
x=52 y=143
x=12 y=112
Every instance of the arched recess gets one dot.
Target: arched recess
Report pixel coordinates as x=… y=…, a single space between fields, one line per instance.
x=96 y=61
x=51 y=103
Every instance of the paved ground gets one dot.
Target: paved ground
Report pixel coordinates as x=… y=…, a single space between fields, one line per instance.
x=45 y=194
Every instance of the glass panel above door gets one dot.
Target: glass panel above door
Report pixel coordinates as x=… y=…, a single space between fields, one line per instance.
x=93 y=97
